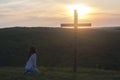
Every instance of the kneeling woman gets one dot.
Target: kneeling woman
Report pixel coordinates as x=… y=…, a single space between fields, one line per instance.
x=31 y=66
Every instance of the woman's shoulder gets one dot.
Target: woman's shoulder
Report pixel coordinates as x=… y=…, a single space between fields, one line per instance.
x=34 y=54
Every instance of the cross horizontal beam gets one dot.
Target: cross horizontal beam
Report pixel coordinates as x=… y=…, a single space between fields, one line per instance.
x=70 y=25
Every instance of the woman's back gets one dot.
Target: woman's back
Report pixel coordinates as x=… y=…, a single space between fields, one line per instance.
x=31 y=63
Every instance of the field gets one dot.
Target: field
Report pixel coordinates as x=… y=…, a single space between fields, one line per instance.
x=15 y=73
x=97 y=48
x=97 y=58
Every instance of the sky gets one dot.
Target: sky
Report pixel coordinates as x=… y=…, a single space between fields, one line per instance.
x=51 y=13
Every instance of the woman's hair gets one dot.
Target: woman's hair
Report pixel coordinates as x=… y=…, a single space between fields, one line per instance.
x=32 y=50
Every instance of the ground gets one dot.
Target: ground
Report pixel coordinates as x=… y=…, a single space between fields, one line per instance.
x=15 y=73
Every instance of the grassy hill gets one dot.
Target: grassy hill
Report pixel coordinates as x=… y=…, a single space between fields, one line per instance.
x=13 y=73
x=98 y=48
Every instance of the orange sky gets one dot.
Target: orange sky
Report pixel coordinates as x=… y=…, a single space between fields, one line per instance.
x=52 y=13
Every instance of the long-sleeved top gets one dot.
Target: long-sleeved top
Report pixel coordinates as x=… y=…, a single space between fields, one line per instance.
x=31 y=63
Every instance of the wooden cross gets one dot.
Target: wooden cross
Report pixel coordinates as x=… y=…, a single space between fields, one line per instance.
x=75 y=26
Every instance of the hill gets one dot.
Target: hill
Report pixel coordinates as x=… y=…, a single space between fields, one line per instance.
x=13 y=73
x=98 y=48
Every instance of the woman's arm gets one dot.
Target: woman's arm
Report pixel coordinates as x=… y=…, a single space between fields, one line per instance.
x=34 y=60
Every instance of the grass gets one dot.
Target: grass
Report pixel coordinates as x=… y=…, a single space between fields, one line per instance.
x=14 y=73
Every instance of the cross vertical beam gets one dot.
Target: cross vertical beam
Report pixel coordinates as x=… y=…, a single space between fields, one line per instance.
x=75 y=19
x=75 y=25
x=75 y=39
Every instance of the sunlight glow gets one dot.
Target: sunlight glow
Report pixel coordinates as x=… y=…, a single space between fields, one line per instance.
x=83 y=10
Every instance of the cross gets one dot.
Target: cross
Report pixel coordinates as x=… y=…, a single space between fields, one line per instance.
x=75 y=25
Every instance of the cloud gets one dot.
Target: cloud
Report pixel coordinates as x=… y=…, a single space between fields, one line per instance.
x=42 y=12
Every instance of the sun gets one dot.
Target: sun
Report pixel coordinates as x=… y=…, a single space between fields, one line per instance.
x=83 y=10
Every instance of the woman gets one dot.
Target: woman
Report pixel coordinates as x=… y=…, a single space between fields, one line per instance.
x=31 y=66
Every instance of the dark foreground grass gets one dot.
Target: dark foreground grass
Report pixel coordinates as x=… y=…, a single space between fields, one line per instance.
x=12 y=73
